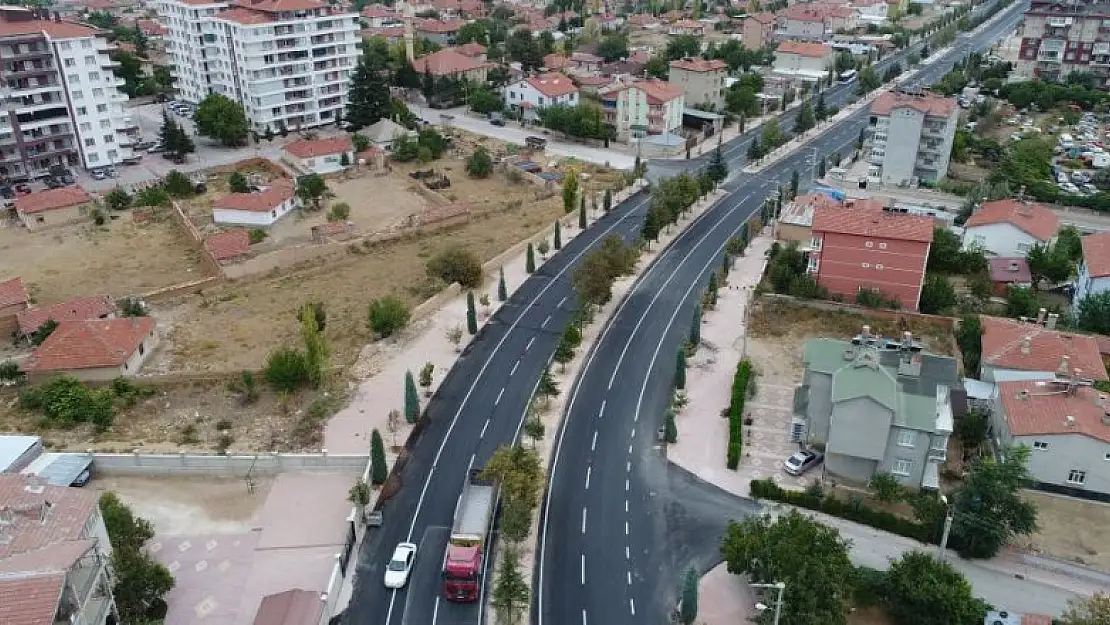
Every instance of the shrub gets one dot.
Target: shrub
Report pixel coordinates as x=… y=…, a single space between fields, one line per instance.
x=287 y=369
x=340 y=211
x=457 y=264
x=479 y=164
x=256 y=235
x=66 y=401
x=740 y=383
x=10 y=372
x=388 y=315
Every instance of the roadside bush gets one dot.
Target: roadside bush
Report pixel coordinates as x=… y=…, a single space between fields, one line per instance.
x=256 y=235
x=65 y=401
x=457 y=264
x=388 y=315
x=10 y=372
x=287 y=369
x=740 y=383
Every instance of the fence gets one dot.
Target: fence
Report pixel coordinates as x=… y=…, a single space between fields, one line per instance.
x=231 y=465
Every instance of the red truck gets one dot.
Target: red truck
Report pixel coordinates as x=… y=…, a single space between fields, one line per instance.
x=463 y=562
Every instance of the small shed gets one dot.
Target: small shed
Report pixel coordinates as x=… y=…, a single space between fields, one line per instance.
x=384 y=131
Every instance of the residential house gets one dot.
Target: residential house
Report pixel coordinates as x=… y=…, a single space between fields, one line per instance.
x=259 y=209
x=701 y=81
x=609 y=21
x=871 y=11
x=795 y=221
x=54 y=556
x=229 y=246
x=441 y=32
x=14 y=299
x=646 y=21
x=292 y=607
x=758 y=30
x=319 y=156
x=1018 y=350
x=1007 y=271
x=382 y=133
x=76 y=309
x=686 y=27
x=802 y=61
x=877 y=406
x=555 y=62
x=592 y=85
x=870 y=248
x=378 y=16
x=94 y=349
x=527 y=96
x=587 y=63
x=473 y=50
x=54 y=207
x=1067 y=427
x=451 y=63
x=1094 y=271
x=1010 y=227
x=912 y=135
x=652 y=106
x=814 y=22
x=392 y=35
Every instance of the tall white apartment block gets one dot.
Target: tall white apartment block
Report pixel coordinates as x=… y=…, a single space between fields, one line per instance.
x=60 y=103
x=288 y=62
x=911 y=136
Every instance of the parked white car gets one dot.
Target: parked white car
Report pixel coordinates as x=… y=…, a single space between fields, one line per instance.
x=400 y=565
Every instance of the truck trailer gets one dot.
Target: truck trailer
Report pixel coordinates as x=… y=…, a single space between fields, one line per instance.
x=463 y=563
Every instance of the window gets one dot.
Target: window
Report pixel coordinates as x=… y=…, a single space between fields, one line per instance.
x=74 y=79
x=86 y=126
x=70 y=62
x=105 y=123
x=98 y=92
x=65 y=45
x=101 y=108
x=90 y=142
x=93 y=157
x=815 y=243
x=82 y=110
x=94 y=76
x=1076 y=476
x=90 y=59
x=879 y=266
x=1106 y=457
x=868 y=244
x=906 y=438
x=109 y=139
x=882 y=246
x=1040 y=445
x=901 y=466
x=1024 y=247
x=142 y=349
x=86 y=43
x=865 y=265
x=78 y=95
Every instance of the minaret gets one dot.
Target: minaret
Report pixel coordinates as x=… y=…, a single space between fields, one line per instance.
x=409 y=15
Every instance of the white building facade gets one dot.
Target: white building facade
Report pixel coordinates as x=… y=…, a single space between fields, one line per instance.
x=288 y=62
x=1094 y=272
x=911 y=137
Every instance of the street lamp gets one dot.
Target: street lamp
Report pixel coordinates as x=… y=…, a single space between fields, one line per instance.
x=762 y=607
x=948 y=512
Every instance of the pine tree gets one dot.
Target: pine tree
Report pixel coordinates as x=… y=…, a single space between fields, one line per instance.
x=368 y=95
x=795 y=180
x=471 y=315
x=670 y=430
x=607 y=201
x=821 y=112
x=689 y=612
x=378 y=468
x=558 y=242
x=680 y=370
x=718 y=169
x=582 y=217
x=695 y=326
x=502 y=292
x=821 y=168
x=530 y=259
x=755 y=150
x=582 y=203
x=740 y=123
x=412 y=399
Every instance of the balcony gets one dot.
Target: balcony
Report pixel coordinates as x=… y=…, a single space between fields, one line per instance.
x=17 y=70
x=107 y=62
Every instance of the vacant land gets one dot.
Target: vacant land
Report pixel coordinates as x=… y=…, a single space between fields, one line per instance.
x=119 y=258
x=1071 y=529
x=185 y=505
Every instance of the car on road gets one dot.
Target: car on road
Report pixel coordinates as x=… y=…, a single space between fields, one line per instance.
x=98 y=174
x=802 y=461
x=156 y=148
x=400 y=565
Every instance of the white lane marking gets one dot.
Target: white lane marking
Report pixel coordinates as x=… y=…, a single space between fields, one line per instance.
x=499 y=394
x=515 y=365
x=628 y=466
x=469 y=467
x=583 y=569
x=632 y=606
x=530 y=341
x=545 y=322
x=588 y=471
x=435 y=611
x=626 y=505
x=483 y=434
x=593 y=445
x=629 y=573
x=626 y=528
x=626 y=485
x=630 y=449
x=560 y=304
x=583 y=519
x=601 y=411
x=627 y=553
x=633 y=433
x=584 y=616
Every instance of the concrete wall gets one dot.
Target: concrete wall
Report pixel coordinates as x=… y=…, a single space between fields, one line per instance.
x=859 y=427
x=915 y=453
x=1067 y=453
x=57 y=217
x=700 y=87
x=214 y=465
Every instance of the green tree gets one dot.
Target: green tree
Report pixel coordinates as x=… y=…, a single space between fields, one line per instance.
x=718 y=168
x=479 y=165
x=695 y=326
x=682 y=46
x=547 y=388
x=564 y=352
x=820 y=110
x=1021 y=302
x=810 y=558
x=368 y=98
x=658 y=67
x=117 y=199
x=795 y=181
x=582 y=217
x=502 y=291
x=713 y=287
x=972 y=428
x=1093 y=610
x=456 y=264
x=989 y=508
x=140 y=582
x=570 y=191
x=43 y=332
x=223 y=119
x=920 y=590
x=688 y=613
x=471 y=315
x=1048 y=264
x=1069 y=243
x=311 y=190
x=937 y=295
x=412 y=399
x=511 y=593
x=387 y=316
x=887 y=487
x=680 y=370
x=755 y=150
x=613 y=47
x=316 y=349
x=237 y=182
x=670 y=429
x=806 y=119
x=379 y=470
x=945 y=252
x=530 y=259
x=607 y=200
x=558 y=236
x=969 y=336
x=534 y=429
x=593 y=278
x=287 y=369
x=1093 y=313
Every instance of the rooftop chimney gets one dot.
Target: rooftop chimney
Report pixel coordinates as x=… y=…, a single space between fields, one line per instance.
x=1023 y=393
x=1014 y=266
x=1026 y=345
x=1040 y=316
x=866 y=331
x=1050 y=323
x=1069 y=421
x=1102 y=401
x=1064 y=370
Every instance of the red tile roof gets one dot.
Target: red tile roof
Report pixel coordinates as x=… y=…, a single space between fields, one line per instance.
x=873 y=222
x=311 y=148
x=31 y=599
x=804 y=48
x=228 y=245
x=928 y=103
x=440 y=27
x=643 y=19
x=472 y=49
x=1002 y=348
x=90 y=344
x=1036 y=407
x=445 y=62
x=246 y=17
x=556 y=61
x=658 y=91
x=264 y=201
x=553 y=84
x=76 y=309
x=67 y=510
x=51 y=199
x=292 y=607
x=12 y=292
x=1096 y=254
x=700 y=65
x=55 y=30
x=151 y=27
x=1036 y=619
x=1010 y=270
x=1031 y=218
x=281 y=6
x=378 y=10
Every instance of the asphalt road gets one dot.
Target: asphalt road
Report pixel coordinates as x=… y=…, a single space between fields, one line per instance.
x=610 y=549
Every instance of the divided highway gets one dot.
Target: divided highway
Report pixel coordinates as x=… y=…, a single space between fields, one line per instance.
x=607 y=552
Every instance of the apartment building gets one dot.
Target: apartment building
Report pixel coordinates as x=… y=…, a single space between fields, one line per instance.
x=54 y=554
x=701 y=81
x=288 y=62
x=870 y=248
x=1058 y=39
x=758 y=30
x=61 y=104
x=644 y=106
x=814 y=22
x=802 y=61
x=912 y=136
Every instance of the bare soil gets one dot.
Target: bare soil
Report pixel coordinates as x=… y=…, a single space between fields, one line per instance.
x=1070 y=529
x=186 y=505
x=869 y=616
x=120 y=258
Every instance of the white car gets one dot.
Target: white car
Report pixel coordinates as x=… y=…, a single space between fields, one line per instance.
x=400 y=565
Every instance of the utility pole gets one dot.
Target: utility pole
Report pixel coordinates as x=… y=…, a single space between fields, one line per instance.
x=780 y=587
x=813 y=168
x=948 y=515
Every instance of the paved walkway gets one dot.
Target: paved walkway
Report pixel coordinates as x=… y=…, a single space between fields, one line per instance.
x=724 y=598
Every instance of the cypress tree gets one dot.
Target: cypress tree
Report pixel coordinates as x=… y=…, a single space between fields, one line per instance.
x=726 y=263
x=530 y=259
x=471 y=315
x=502 y=292
x=670 y=430
x=680 y=370
x=378 y=469
x=695 y=326
x=582 y=217
x=713 y=287
x=558 y=243
x=412 y=399
x=607 y=202
x=689 y=612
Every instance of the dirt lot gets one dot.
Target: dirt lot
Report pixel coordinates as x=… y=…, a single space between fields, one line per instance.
x=1071 y=529
x=178 y=505
x=119 y=258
